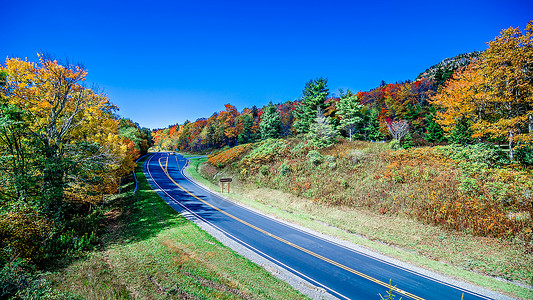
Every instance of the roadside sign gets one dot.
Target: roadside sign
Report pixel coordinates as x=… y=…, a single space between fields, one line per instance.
x=225 y=180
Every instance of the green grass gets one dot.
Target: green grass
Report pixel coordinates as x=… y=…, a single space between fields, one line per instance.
x=152 y=252
x=431 y=247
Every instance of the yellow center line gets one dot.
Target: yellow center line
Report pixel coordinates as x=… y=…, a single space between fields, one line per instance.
x=384 y=284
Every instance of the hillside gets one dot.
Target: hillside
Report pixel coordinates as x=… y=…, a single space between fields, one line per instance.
x=443 y=70
x=450 y=204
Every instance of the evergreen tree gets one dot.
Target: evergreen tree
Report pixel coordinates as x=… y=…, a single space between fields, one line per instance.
x=246 y=135
x=462 y=133
x=408 y=141
x=321 y=133
x=349 y=109
x=372 y=130
x=315 y=94
x=434 y=133
x=270 y=125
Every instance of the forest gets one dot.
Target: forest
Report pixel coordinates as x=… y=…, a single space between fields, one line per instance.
x=480 y=97
x=63 y=151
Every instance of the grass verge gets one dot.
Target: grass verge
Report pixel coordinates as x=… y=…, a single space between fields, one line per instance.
x=152 y=252
x=447 y=252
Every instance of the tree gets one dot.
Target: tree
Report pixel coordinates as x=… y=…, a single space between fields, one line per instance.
x=461 y=101
x=349 y=110
x=372 y=130
x=246 y=135
x=270 y=125
x=398 y=129
x=461 y=133
x=70 y=129
x=495 y=95
x=321 y=134
x=434 y=133
x=314 y=98
x=508 y=71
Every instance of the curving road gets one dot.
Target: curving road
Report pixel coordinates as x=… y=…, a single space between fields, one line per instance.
x=344 y=272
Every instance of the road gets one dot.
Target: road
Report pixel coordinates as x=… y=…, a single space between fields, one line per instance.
x=344 y=272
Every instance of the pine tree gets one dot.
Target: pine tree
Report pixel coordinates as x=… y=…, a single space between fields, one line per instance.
x=461 y=134
x=315 y=94
x=321 y=134
x=372 y=130
x=270 y=125
x=434 y=133
x=246 y=135
x=407 y=141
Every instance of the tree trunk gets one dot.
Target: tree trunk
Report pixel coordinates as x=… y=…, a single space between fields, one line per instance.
x=511 y=150
x=530 y=124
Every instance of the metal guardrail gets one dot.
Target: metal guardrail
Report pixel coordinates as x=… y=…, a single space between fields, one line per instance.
x=135 y=176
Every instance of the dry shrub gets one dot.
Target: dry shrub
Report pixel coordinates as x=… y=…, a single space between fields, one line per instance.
x=462 y=195
x=223 y=158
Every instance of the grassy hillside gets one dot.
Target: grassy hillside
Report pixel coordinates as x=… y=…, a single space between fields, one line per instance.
x=454 y=209
x=151 y=252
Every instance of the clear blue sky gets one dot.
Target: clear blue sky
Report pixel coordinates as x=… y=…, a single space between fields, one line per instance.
x=163 y=62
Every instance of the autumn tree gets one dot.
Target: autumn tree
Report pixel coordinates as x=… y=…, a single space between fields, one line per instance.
x=461 y=101
x=494 y=96
x=70 y=128
x=315 y=94
x=507 y=67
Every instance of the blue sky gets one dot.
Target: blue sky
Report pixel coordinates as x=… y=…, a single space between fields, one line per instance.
x=163 y=62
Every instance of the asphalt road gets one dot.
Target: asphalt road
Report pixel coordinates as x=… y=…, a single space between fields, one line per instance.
x=343 y=272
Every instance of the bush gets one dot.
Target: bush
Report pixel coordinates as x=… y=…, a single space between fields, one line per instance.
x=394 y=145
x=264 y=170
x=315 y=158
x=25 y=232
x=284 y=169
x=264 y=152
x=525 y=155
x=223 y=158
x=482 y=153
x=19 y=280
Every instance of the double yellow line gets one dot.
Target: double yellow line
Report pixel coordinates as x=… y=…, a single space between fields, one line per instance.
x=384 y=284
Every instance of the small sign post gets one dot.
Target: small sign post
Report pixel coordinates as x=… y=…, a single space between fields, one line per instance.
x=224 y=180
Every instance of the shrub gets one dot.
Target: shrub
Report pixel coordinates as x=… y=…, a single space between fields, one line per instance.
x=300 y=149
x=264 y=170
x=19 y=280
x=264 y=152
x=525 y=155
x=25 y=232
x=223 y=158
x=284 y=169
x=483 y=153
x=315 y=158
x=394 y=145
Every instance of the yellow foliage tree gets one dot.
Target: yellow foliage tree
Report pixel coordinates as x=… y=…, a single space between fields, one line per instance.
x=496 y=94
x=72 y=128
x=507 y=66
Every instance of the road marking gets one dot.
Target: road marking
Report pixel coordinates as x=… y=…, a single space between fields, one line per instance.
x=384 y=284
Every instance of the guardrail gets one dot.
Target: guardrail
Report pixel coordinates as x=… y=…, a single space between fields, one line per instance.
x=135 y=176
